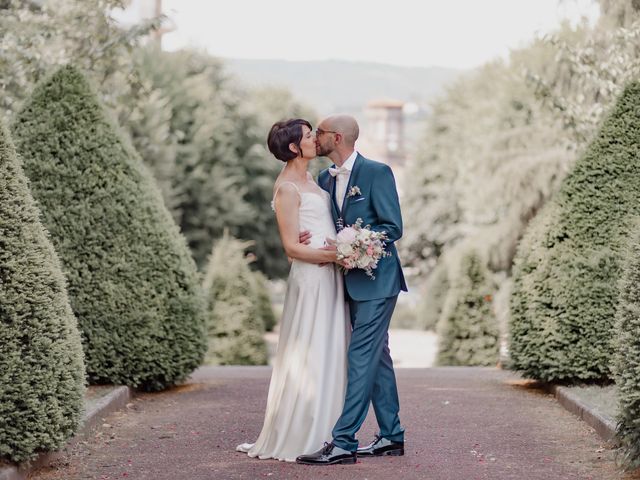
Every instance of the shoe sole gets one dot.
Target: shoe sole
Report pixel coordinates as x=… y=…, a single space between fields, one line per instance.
x=394 y=453
x=344 y=461
x=389 y=453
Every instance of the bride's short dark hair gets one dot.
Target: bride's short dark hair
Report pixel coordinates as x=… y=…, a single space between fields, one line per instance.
x=282 y=134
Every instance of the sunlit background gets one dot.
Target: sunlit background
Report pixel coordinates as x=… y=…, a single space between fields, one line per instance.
x=388 y=65
x=480 y=107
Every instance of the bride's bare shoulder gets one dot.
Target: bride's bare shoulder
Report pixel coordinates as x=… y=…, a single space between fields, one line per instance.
x=285 y=186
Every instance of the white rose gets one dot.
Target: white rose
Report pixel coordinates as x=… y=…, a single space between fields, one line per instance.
x=364 y=261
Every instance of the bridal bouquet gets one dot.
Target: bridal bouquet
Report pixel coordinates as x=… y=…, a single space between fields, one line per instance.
x=360 y=247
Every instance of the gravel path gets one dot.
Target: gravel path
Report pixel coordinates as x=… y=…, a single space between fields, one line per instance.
x=462 y=424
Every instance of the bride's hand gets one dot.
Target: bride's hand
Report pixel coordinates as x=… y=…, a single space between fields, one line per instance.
x=329 y=248
x=342 y=264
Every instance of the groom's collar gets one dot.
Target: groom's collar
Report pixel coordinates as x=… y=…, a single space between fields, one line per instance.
x=348 y=164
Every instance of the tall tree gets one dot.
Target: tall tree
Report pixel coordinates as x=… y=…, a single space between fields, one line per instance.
x=490 y=158
x=214 y=168
x=590 y=68
x=39 y=36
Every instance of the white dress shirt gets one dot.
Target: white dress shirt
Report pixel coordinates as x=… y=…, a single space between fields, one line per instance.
x=342 y=180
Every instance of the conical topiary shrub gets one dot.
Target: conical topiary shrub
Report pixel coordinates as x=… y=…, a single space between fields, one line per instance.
x=41 y=364
x=562 y=324
x=468 y=330
x=432 y=303
x=235 y=327
x=263 y=301
x=627 y=358
x=132 y=282
x=531 y=293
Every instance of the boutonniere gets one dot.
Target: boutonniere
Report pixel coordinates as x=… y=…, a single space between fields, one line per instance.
x=354 y=191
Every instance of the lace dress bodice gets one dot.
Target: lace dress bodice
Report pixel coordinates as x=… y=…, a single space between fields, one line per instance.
x=314 y=215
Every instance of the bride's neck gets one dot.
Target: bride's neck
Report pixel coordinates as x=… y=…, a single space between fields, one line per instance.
x=296 y=169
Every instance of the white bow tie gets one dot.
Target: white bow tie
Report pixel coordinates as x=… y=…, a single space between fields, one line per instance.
x=339 y=171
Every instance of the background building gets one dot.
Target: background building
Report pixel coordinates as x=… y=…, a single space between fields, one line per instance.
x=384 y=130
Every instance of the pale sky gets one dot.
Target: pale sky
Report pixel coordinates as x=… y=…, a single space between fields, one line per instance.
x=448 y=33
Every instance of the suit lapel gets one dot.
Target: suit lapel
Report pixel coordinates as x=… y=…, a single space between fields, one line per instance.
x=352 y=181
x=332 y=193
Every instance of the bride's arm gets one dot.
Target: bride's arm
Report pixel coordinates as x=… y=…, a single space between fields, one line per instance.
x=287 y=203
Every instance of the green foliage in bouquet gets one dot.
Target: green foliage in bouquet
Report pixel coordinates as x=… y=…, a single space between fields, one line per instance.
x=467 y=330
x=627 y=355
x=41 y=363
x=567 y=270
x=235 y=325
x=132 y=282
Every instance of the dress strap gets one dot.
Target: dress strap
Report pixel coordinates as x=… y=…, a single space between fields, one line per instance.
x=273 y=201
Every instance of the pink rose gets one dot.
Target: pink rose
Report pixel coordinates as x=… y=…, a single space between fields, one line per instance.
x=346 y=235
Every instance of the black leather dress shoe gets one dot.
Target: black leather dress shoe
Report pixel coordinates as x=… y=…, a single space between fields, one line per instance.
x=381 y=446
x=328 y=455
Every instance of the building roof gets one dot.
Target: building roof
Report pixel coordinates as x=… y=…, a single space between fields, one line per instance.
x=385 y=103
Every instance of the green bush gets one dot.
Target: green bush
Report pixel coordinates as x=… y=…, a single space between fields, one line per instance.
x=467 y=330
x=566 y=288
x=627 y=358
x=436 y=287
x=132 y=283
x=263 y=299
x=531 y=294
x=235 y=326
x=41 y=364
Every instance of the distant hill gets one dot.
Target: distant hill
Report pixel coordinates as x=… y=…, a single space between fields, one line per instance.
x=341 y=86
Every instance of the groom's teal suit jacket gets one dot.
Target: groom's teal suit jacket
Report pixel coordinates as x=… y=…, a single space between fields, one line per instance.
x=378 y=206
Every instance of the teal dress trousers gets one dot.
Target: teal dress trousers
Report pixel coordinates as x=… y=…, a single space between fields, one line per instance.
x=370 y=375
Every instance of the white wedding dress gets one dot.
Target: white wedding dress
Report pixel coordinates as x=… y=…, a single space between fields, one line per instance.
x=309 y=377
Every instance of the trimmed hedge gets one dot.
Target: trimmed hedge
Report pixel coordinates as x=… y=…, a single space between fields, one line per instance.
x=235 y=326
x=627 y=359
x=467 y=330
x=41 y=363
x=566 y=279
x=531 y=294
x=263 y=299
x=432 y=303
x=132 y=282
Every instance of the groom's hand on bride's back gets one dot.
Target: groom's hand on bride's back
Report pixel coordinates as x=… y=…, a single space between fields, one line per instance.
x=305 y=237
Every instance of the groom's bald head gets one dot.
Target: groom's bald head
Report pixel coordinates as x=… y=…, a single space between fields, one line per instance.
x=346 y=125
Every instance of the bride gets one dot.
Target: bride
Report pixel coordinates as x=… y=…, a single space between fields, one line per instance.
x=308 y=382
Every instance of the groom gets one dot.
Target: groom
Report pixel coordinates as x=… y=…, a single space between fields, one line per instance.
x=362 y=188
